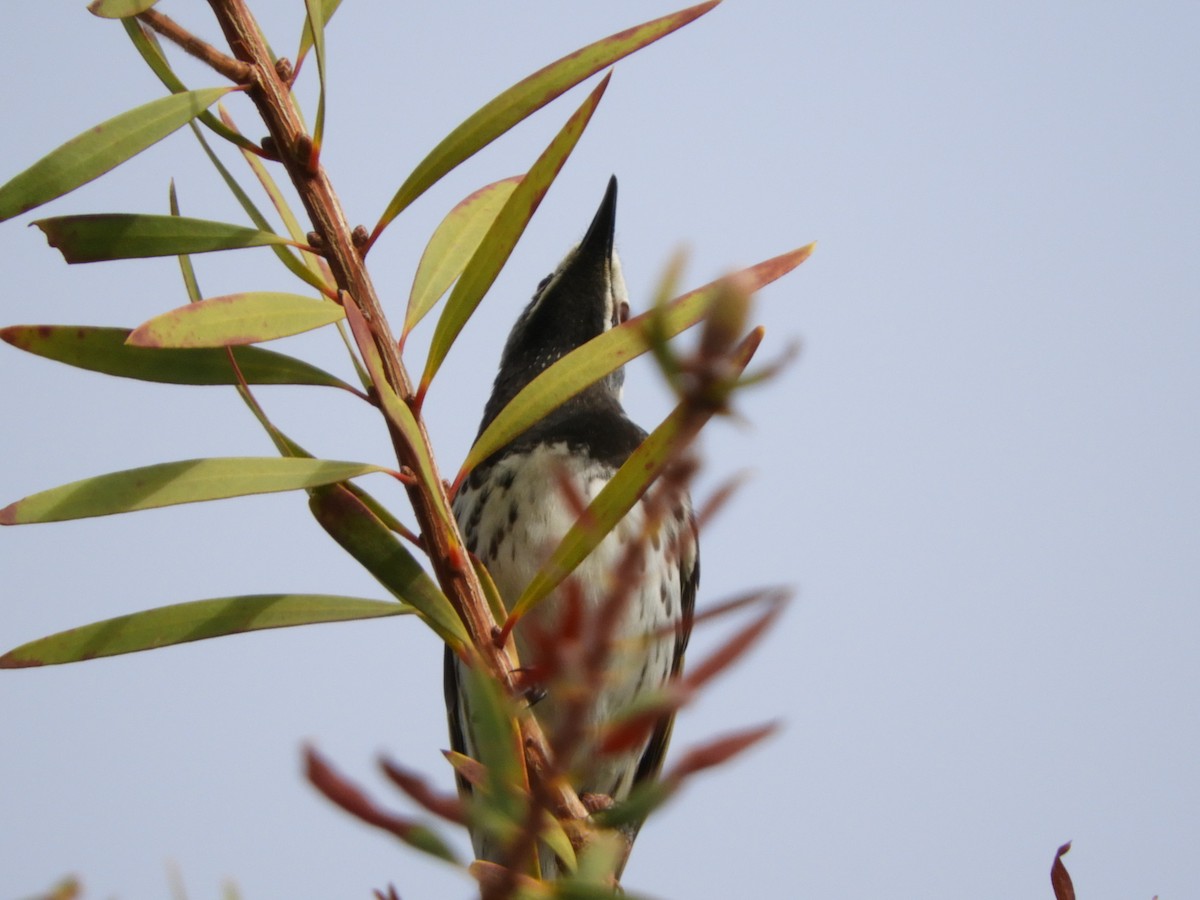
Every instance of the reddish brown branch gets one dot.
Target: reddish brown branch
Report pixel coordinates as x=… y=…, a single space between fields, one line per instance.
x=231 y=68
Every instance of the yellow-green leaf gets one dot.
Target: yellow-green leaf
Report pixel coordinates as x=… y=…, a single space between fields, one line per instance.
x=101 y=148
x=195 y=621
x=608 y=352
x=328 y=8
x=236 y=319
x=105 y=236
x=187 y=481
x=105 y=350
x=316 y=29
x=497 y=245
x=453 y=244
x=526 y=97
x=361 y=534
x=119 y=9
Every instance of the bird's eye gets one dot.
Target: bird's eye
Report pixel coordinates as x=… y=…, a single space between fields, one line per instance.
x=542 y=284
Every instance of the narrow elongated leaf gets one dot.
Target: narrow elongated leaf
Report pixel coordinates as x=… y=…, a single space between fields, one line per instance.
x=119 y=9
x=104 y=350
x=361 y=534
x=453 y=244
x=153 y=56
x=497 y=245
x=167 y=484
x=105 y=236
x=99 y=149
x=608 y=352
x=624 y=489
x=328 y=8
x=194 y=621
x=236 y=319
x=526 y=97
x=316 y=29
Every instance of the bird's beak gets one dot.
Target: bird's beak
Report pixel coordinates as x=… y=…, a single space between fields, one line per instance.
x=596 y=248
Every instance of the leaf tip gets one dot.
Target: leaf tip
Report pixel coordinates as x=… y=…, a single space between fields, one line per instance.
x=8 y=515
x=11 y=661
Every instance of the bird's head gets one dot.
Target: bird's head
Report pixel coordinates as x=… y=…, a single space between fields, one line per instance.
x=584 y=297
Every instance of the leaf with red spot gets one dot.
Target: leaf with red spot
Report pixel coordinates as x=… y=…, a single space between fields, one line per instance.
x=236 y=319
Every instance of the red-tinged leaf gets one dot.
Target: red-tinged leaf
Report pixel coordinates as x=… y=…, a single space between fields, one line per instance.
x=735 y=647
x=107 y=236
x=354 y=801
x=447 y=806
x=718 y=751
x=119 y=9
x=453 y=244
x=105 y=350
x=100 y=149
x=497 y=245
x=168 y=484
x=472 y=771
x=1060 y=879
x=236 y=320
x=526 y=97
x=609 y=351
x=198 y=620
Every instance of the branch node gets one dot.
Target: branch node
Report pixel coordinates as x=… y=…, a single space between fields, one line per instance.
x=284 y=69
x=360 y=237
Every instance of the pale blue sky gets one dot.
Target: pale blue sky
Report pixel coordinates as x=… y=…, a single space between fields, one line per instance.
x=982 y=476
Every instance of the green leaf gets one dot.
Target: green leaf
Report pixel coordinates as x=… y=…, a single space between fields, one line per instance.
x=104 y=350
x=105 y=236
x=119 y=9
x=152 y=54
x=361 y=534
x=526 y=97
x=316 y=29
x=453 y=244
x=236 y=319
x=497 y=245
x=187 y=481
x=194 y=621
x=609 y=351
x=101 y=148
x=328 y=8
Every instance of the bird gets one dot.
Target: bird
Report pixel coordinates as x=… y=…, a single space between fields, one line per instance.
x=631 y=601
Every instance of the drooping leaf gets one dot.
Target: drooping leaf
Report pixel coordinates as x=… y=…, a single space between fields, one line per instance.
x=453 y=244
x=119 y=9
x=316 y=30
x=104 y=350
x=167 y=484
x=361 y=534
x=194 y=621
x=105 y=236
x=153 y=56
x=608 y=352
x=328 y=8
x=526 y=97
x=498 y=243
x=101 y=148
x=236 y=319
